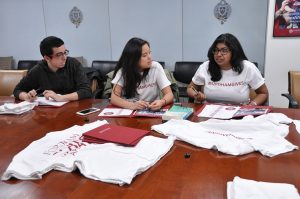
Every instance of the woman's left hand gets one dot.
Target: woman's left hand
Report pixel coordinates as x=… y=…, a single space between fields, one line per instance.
x=156 y=105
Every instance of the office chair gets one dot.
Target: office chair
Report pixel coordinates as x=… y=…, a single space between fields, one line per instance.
x=104 y=67
x=294 y=90
x=6 y=63
x=27 y=64
x=80 y=59
x=183 y=73
x=9 y=79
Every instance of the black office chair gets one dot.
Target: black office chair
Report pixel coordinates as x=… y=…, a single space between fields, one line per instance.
x=162 y=63
x=104 y=67
x=183 y=73
x=293 y=87
x=27 y=64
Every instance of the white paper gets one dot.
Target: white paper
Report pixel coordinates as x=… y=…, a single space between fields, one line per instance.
x=44 y=102
x=218 y=111
x=107 y=112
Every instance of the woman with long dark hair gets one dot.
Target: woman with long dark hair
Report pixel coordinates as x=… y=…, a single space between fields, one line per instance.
x=228 y=75
x=138 y=80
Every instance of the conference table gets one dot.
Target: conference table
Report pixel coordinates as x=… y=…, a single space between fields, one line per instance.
x=185 y=171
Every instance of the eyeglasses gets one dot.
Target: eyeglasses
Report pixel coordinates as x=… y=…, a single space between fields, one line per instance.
x=61 y=54
x=223 y=51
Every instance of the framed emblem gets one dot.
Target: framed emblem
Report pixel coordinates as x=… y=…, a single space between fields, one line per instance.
x=222 y=11
x=76 y=16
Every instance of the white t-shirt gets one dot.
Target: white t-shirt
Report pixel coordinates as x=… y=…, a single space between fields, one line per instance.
x=65 y=151
x=232 y=88
x=264 y=133
x=150 y=87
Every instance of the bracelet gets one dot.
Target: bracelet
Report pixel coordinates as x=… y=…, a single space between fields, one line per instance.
x=253 y=103
x=165 y=101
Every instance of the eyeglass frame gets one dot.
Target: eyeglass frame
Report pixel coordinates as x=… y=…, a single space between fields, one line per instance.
x=223 y=51
x=61 y=54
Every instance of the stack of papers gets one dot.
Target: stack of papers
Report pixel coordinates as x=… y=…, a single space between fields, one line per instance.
x=177 y=112
x=115 y=134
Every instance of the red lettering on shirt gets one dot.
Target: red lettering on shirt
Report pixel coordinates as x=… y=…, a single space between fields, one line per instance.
x=226 y=84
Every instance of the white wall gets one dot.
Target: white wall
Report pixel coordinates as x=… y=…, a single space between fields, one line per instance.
x=177 y=30
x=282 y=55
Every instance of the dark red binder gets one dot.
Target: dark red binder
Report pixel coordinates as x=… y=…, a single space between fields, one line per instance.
x=116 y=134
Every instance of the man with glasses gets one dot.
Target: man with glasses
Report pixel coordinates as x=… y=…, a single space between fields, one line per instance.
x=228 y=76
x=57 y=76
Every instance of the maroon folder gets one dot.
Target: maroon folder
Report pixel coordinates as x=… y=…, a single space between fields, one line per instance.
x=116 y=134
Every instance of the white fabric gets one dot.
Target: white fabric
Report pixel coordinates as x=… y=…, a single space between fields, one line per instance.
x=150 y=88
x=64 y=151
x=232 y=88
x=241 y=188
x=297 y=125
x=236 y=137
x=11 y=108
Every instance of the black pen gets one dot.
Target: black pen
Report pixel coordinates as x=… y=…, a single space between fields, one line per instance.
x=194 y=89
x=39 y=92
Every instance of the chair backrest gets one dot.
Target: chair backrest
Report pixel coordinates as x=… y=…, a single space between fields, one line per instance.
x=6 y=63
x=294 y=85
x=27 y=64
x=80 y=59
x=162 y=63
x=104 y=67
x=9 y=79
x=185 y=70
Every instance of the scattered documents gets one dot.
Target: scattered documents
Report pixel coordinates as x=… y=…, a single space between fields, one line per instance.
x=121 y=112
x=219 y=111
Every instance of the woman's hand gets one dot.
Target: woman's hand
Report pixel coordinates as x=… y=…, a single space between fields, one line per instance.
x=138 y=105
x=157 y=104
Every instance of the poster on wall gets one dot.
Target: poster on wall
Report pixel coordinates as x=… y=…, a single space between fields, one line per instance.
x=287 y=18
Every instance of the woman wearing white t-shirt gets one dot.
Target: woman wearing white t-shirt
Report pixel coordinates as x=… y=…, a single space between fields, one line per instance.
x=138 y=80
x=227 y=77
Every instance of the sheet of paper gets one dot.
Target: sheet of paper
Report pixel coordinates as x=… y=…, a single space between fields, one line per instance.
x=218 y=111
x=42 y=101
x=112 y=112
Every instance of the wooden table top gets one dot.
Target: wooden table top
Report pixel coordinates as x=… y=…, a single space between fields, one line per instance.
x=204 y=175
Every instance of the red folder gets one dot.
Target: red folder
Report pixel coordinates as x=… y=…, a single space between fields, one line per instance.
x=116 y=134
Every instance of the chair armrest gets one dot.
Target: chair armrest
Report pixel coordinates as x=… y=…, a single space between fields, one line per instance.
x=292 y=102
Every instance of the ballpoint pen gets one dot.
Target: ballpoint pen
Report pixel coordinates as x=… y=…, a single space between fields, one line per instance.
x=194 y=89
x=39 y=92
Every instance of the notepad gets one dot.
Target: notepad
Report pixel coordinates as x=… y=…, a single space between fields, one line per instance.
x=42 y=101
x=116 y=134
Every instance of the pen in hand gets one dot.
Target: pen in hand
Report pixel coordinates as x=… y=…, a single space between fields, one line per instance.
x=39 y=92
x=194 y=89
